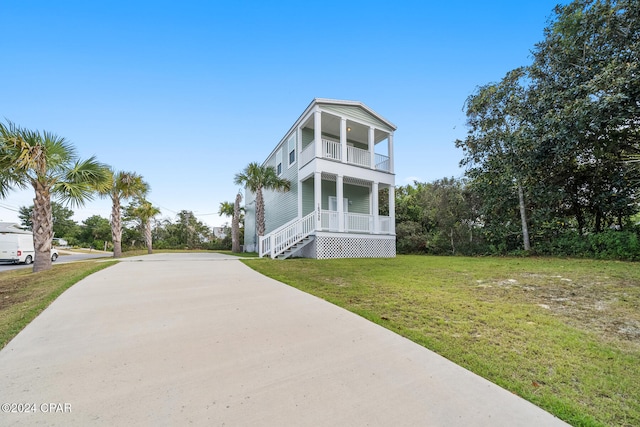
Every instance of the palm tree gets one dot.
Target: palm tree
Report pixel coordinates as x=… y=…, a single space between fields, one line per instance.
x=50 y=165
x=234 y=211
x=122 y=186
x=226 y=209
x=235 y=224
x=255 y=178
x=145 y=212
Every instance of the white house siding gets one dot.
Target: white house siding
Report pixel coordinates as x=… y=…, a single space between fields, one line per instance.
x=307 y=137
x=358 y=197
x=328 y=190
x=308 y=204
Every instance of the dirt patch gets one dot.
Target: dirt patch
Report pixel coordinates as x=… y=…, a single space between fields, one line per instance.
x=606 y=306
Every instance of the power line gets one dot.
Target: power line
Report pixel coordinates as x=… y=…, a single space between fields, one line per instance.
x=9 y=208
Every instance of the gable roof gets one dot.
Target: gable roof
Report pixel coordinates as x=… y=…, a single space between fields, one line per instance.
x=344 y=105
x=337 y=104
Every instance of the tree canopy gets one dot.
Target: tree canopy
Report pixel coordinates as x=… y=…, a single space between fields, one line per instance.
x=49 y=164
x=547 y=144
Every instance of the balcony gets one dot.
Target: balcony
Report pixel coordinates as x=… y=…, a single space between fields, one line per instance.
x=355 y=156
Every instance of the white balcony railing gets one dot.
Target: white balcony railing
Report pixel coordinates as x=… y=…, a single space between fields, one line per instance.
x=355 y=156
x=331 y=149
x=358 y=156
x=382 y=163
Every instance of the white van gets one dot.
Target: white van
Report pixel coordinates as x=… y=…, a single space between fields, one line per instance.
x=16 y=245
x=16 y=248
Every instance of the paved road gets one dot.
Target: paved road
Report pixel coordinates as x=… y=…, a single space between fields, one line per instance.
x=201 y=339
x=65 y=256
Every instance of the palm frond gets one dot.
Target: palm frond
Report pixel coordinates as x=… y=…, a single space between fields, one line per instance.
x=58 y=150
x=129 y=184
x=74 y=194
x=81 y=181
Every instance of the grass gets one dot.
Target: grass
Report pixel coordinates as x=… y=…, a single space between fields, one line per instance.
x=24 y=295
x=563 y=334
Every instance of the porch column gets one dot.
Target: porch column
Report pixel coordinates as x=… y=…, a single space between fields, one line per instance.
x=343 y=139
x=298 y=151
x=298 y=147
x=392 y=209
x=375 y=207
x=317 y=198
x=372 y=149
x=299 y=216
x=317 y=132
x=340 y=202
x=390 y=151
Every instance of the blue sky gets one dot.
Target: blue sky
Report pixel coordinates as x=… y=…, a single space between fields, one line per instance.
x=188 y=93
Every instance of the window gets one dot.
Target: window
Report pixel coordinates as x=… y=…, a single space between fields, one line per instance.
x=292 y=149
x=279 y=162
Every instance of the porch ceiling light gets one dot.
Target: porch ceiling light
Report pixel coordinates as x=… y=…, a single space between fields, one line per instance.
x=348 y=129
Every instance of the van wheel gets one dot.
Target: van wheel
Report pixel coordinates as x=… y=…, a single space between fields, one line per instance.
x=54 y=257
x=28 y=260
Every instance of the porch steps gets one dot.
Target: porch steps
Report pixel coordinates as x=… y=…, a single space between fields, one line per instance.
x=295 y=248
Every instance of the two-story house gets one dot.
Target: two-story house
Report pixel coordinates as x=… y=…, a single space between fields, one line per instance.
x=338 y=157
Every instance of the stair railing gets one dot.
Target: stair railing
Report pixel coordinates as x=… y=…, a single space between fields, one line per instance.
x=278 y=241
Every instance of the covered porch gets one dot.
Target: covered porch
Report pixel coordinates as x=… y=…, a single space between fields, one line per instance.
x=347 y=204
x=333 y=137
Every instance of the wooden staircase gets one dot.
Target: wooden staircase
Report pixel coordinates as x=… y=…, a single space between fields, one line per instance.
x=288 y=239
x=295 y=248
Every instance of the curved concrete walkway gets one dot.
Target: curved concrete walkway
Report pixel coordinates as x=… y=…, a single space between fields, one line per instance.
x=202 y=339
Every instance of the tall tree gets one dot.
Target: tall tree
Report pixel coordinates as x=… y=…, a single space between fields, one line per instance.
x=144 y=212
x=226 y=209
x=122 y=186
x=497 y=143
x=256 y=178
x=586 y=99
x=436 y=217
x=189 y=231
x=50 y=165
x=233 y=210
x=63 y=225
x=95 y=231
x=235 y=224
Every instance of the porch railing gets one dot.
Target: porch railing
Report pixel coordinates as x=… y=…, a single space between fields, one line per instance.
x=329 y=220
x=382 y=163
x=331 y=149
x=355 y=156
x=354 y=223
x=384 y=225
x=358 y=156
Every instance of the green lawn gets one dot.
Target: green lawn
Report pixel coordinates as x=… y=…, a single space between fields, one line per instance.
x=563 y=334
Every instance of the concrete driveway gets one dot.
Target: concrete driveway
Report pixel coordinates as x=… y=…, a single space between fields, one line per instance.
x=201 y=339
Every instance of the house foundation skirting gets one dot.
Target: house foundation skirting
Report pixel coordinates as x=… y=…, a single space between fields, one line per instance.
x=341 y=245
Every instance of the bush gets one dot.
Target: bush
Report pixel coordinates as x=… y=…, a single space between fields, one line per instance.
x=610 y=244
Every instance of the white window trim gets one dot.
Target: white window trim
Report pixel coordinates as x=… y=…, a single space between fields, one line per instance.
x=292 y=142
x=279 y=162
